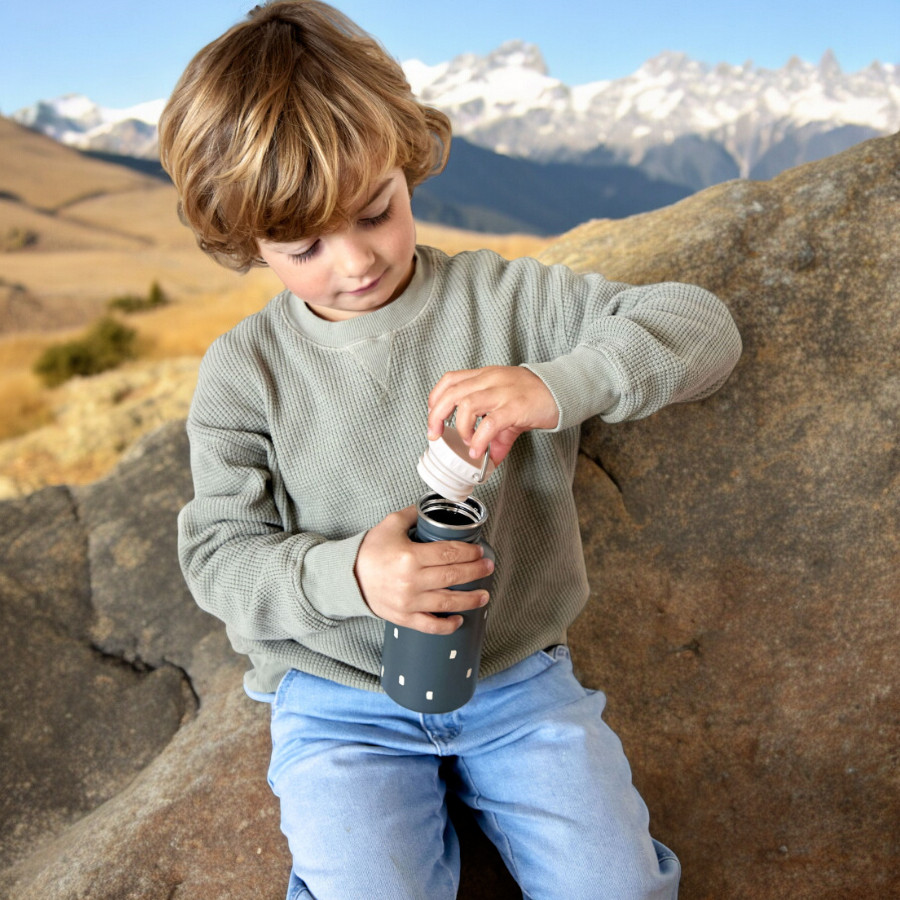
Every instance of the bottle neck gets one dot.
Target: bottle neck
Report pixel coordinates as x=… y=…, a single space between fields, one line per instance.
x=440 y=519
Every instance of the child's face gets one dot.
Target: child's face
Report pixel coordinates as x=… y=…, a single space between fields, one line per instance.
x=358 y=268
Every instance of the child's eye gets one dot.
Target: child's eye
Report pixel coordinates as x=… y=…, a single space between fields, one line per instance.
x=305 y=255
x=380 y=219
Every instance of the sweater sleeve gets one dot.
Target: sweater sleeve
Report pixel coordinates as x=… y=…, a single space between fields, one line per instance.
x=623 y=352
x=243 y=558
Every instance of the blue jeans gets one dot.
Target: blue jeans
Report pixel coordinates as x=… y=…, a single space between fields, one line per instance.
x=363 y=802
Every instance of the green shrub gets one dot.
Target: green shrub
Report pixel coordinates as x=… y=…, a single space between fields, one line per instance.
x=129 y=303
x=17 y=238
x=107 y=344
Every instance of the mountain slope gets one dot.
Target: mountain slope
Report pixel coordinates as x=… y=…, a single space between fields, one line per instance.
x=41 y=173
x=485 y=191
x=79 y=122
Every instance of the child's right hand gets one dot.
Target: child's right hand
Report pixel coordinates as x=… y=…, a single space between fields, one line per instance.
x=407 y=582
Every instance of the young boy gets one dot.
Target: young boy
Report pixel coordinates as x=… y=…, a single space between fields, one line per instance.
x=294 y=141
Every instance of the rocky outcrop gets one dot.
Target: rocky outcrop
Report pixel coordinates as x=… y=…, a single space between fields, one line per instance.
x=743 y=554
x=744 y=551
x=133 y=766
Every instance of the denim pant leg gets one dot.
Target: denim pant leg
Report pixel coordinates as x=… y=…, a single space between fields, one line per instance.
x=363 y=805
x=553 y=790
x=364 y=808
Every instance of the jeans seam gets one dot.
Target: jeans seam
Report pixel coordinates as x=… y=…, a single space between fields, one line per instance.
x=507 y=850
x=441 y=791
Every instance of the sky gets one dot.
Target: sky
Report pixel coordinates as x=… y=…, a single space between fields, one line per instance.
x=120 y=54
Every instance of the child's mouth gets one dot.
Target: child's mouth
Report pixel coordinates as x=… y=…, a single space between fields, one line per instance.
x=367 y=287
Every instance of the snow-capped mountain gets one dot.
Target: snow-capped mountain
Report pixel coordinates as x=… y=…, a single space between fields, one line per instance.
x=508 y=102
x=682 y=122
x=79 y=122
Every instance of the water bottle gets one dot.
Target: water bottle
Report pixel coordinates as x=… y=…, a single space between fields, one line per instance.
x=437 y=673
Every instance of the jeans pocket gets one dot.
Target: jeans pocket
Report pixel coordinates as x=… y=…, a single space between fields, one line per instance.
x=283 y=687
x=556 y=652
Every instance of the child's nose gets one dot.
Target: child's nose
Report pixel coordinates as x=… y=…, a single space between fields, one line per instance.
x=355 y=255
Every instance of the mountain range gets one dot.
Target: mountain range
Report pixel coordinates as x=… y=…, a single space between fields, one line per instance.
x=540 y=156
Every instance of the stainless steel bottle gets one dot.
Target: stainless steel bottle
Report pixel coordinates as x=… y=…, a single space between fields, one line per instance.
x=437 y=673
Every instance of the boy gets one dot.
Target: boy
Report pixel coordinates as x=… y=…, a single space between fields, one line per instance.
x=293 y=141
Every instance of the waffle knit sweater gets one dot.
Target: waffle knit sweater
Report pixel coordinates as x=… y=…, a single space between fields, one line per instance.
x=305 y=433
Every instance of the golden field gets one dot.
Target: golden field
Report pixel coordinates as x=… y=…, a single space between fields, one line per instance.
x=75 y=233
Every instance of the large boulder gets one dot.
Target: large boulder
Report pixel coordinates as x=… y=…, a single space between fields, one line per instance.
x=744 y=564
x=134 y=766
x=743 y=551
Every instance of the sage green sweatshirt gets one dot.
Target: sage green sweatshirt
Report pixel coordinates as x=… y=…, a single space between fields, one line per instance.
x=305 y=433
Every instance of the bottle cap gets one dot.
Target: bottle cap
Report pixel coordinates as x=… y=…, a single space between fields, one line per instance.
x=447 y=468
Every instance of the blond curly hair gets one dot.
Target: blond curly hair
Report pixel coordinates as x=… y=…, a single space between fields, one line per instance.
x=279 y=128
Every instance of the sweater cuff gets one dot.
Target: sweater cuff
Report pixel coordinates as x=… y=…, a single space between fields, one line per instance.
x=328 y=582
x=582 y=383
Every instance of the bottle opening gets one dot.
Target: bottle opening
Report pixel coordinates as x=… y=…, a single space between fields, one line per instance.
x=450 y=519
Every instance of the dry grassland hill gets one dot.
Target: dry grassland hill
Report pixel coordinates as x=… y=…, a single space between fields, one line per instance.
x=76 y=232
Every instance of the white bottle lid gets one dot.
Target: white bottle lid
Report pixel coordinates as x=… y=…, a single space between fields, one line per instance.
x=447 y=468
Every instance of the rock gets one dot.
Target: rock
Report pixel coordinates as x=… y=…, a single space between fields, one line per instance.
x=743 y=559
x=142 y=610
x=744 y=552
x=79 y=723
x=130 y=696
x=199 y=821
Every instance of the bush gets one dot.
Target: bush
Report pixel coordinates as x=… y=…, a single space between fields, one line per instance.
x=129 y=303
x=107 y=344
x=17 y=238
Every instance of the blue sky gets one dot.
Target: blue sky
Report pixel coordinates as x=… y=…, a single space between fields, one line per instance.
x=123 y=53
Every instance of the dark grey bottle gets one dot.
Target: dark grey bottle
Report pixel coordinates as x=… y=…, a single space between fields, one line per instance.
x=437 y=673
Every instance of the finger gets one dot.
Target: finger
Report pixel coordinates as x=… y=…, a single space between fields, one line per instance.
x=444 y=603
x=488 y=429
x=445 y=396
x=466 y=418
x=435 y=427
x=439 y=604
x=403 y=519
x=433 y=624
x=431 y=554
x=447 y=382
x=474 y=406
x=438 y=401
x=438 y=578
x=502 y=444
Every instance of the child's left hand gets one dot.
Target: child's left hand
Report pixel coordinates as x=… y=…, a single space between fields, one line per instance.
x=508 y=399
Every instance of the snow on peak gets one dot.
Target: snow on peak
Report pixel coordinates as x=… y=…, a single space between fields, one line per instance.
x=507 y=101
x=75 y=120
x=517 y=54
x=506 y=83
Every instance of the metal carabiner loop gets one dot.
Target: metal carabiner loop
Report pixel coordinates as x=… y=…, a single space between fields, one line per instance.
x=484 y=465
x=487 y=453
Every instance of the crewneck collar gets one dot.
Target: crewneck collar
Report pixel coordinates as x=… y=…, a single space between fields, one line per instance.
x=389 y=318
